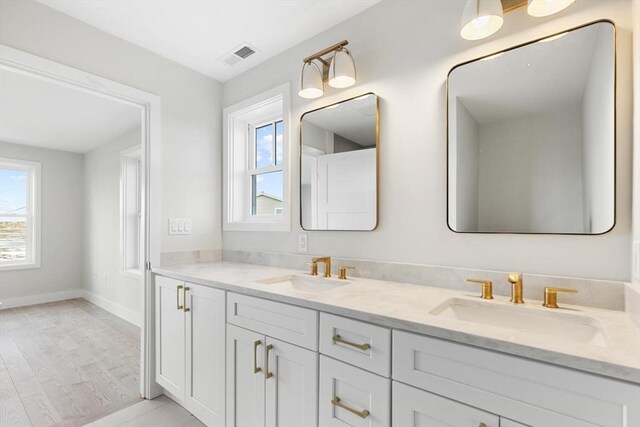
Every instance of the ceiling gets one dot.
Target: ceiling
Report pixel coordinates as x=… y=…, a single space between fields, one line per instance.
x=533 y=79
x=46 y=114
x=199 y=33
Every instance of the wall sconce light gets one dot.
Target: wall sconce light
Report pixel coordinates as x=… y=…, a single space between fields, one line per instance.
x=339 y=71
x=482 y=18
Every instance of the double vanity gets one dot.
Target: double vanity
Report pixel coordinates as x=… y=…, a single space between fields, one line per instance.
x=248 y=345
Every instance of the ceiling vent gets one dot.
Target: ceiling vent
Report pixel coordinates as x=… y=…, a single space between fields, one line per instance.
x=237 y=54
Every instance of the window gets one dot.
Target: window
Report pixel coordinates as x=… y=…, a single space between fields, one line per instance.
x=256 y=163
x=131 y=211
x=19 y=214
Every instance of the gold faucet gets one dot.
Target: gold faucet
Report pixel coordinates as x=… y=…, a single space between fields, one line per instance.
x=487 y=287
x=551 y=296
x=516 y=287
x=327 y=264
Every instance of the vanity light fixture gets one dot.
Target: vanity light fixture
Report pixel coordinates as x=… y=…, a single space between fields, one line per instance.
x=482 y=18
x=338 y=71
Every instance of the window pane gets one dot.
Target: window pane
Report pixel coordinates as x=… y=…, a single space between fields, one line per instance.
x=264 y=146
x=13 y=210
x=279 y=143
x=267 y=190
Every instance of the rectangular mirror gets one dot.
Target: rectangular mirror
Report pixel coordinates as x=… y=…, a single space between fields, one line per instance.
x=531 y=137
x=339 y=166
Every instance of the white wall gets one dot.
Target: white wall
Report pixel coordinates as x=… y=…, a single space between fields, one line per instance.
x=530 y=174
x=636 y=139
x=103 y=276
x=403 y=52
x=598 y=137
x=60 y=272
x=467 y=162
x=191 y=113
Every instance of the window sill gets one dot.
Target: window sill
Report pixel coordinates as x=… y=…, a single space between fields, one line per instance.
x=132 y=273
x=257 y=226
x=25 y=266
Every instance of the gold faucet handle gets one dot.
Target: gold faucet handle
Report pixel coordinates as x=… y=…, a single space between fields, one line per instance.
x=551 y=296
x=314 y=268
x=342 y=271
x=514 y=277
x=487 y=287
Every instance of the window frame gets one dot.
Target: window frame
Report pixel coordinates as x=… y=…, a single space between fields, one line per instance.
x=33 y=213
x=253 y=170
x=131 y=158
x=239 y=124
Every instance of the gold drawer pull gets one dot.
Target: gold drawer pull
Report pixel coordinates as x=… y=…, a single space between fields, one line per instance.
x=178 y=297
x=336 y=402
x=267 y=374
x=256 y=368
x=184 y=299
x=482 y=425
x=338 y=339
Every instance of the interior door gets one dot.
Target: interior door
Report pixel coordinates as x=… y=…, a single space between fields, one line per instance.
x=170 y=340
x=346 y=194
x=205 y=340
x=413 y=407
x=245 y=378
x=291 y=385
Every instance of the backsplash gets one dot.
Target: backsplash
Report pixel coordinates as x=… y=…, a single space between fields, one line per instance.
x=591 y=293
x=189 y=257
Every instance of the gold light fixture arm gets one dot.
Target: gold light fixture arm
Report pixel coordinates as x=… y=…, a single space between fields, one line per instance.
x=323 y=52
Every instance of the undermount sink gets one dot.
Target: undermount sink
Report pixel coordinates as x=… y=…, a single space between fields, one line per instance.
x=305 y=283
x=558 y=325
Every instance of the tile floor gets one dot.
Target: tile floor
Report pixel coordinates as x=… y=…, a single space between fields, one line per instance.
x=159 y=412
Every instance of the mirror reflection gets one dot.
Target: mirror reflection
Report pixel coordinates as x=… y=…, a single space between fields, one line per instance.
x=531 y=137
x=338 y=176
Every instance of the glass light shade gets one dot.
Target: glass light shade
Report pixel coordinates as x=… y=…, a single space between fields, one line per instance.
x=481 y=18
x=342 y=71
x=540 y=8
x=311 y=85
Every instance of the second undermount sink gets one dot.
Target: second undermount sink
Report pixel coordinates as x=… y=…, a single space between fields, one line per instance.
x=306 y=283
x=554 y=324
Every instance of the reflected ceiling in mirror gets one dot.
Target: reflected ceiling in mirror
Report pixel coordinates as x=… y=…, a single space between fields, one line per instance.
x=339 y=166
x=531 y=137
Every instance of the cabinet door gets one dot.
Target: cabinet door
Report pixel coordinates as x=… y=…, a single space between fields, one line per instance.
x=291 y=385
x=170 y=340
x=245 y=378
x=350 y=396
x=205 y=340
x=417 y=408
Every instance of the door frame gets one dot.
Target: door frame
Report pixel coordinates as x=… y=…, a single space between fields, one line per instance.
x=17 y=61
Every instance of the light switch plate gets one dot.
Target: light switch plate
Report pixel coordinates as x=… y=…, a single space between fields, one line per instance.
x=179 y=225
x=302 y=243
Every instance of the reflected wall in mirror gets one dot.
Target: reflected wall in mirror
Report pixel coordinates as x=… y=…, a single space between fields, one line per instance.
x=339 y=166
x=531 y=137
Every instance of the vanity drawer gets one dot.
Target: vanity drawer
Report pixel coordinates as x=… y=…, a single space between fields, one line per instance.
x=358 y=343
x=343 y=385
x=285 y=322
x=532 y=392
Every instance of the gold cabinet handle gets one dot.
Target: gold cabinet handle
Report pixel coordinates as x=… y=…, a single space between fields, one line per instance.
x=482 y=425
x=184 y=298
x=267 y=374
x=256 y=368
x=178 y=297
x=336 y=402
x=487 y=287
x=551 y=296
x=339 y=339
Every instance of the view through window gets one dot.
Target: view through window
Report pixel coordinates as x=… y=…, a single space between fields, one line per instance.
x=267 y=175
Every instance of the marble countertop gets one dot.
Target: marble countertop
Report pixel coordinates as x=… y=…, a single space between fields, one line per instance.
x=408 y=307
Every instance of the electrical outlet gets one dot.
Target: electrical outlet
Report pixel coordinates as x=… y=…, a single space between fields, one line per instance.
x=302 y=243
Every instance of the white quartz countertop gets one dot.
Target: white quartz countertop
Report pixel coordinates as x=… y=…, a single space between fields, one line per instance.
x=407 y=307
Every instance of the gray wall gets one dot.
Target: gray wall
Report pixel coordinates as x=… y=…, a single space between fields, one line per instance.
x=403 y=52
x=61 y=250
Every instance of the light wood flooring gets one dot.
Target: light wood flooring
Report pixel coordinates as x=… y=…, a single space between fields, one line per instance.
x=66 y=363
x=159 y=412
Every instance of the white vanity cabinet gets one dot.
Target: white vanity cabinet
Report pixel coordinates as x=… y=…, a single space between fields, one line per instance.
x=271 y=382
x=190 y=339
x=526 y=391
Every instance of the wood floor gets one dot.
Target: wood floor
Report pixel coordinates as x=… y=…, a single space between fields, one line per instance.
x=66 y=364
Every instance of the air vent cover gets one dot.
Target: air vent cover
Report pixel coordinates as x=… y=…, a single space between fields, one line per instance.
x=237 y=54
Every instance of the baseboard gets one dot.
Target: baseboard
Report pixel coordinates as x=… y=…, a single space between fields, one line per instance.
x=41 y=298
x=121 y=311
